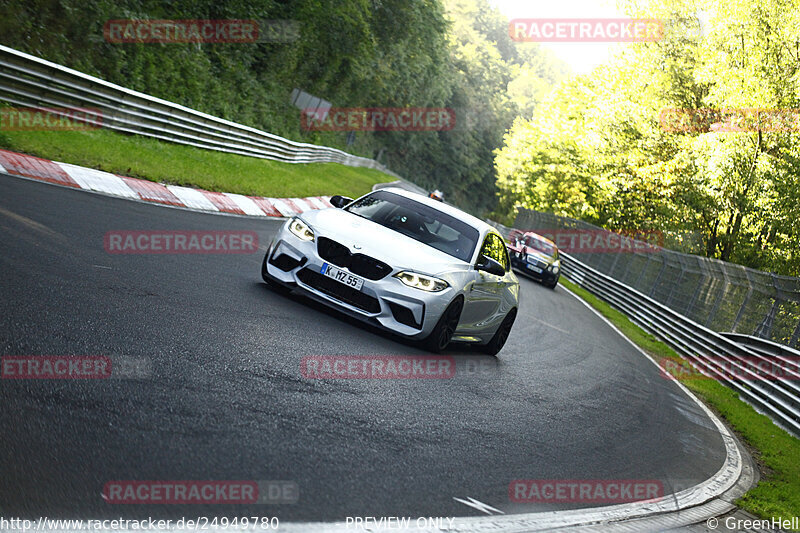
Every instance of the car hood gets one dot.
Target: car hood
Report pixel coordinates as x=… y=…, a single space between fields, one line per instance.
x=540 y=256
x=382 y=243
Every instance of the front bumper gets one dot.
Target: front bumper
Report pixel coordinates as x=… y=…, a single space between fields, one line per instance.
x=387 y=302
x=523 y=267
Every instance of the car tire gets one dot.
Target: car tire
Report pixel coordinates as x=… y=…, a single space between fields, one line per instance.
x=554 y=284
x=500 y=337
x=442 y=333
x=273 y=283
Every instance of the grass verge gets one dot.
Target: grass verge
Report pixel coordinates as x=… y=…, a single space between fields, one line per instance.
x=776 y=451
x=150 y=159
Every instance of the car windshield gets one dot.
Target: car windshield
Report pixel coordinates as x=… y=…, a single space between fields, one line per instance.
x=418 y=221
x=540 y=245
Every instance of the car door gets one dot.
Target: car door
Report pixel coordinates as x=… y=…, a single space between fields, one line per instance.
x=483 y=301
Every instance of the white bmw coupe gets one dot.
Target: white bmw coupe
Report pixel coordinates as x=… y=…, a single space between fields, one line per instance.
x=404 y=262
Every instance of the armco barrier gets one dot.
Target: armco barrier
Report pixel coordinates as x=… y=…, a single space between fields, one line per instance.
x=772 y=350
x=28 y=81
x=711 y=352
x=721 y=355
x=720 y=295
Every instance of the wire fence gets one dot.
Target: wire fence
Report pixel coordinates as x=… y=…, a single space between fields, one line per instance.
x=721 y=296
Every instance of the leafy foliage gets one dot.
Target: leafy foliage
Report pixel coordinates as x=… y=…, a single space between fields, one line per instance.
x=596 y=149
x=353 y=53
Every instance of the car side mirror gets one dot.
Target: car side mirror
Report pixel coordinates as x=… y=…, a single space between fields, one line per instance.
x=487 y=264
x=340 y=201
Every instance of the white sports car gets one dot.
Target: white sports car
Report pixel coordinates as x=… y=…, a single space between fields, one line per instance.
x=407 y=263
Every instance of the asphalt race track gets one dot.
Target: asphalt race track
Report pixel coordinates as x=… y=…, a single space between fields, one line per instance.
x=224 y=399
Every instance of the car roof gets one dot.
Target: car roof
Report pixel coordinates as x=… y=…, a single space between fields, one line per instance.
x=455 y=212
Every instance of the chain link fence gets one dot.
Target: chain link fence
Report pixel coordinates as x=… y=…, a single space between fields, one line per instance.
x=721 y=296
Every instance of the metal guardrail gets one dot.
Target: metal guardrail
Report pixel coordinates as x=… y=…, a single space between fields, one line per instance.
x=28 y=81
x=765 y=347
x=720 y=295
x=744 y=363
x=713 y=354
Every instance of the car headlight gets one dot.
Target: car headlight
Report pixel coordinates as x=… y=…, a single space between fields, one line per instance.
x=301 y=229
x=421 y=281
x=555 y=267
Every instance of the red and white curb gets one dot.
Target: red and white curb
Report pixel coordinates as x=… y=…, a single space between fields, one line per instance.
x=173 y=195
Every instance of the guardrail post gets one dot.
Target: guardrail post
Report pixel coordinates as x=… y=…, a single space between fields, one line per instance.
x=614 y=263
x=713 y=312
x=743 y=306
x=668 y=301
x=658 y=278
x=795 y=336
x=641 y=273
x=696 y=293
x=764 y=329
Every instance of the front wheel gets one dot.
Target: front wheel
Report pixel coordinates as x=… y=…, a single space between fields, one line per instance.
x=501 y=335
x=443 y=332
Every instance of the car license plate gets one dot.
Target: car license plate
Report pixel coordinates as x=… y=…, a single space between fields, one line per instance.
x=535 y=269
x=341 y=276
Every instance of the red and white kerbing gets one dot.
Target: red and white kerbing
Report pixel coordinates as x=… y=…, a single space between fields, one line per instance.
x=149 y=191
